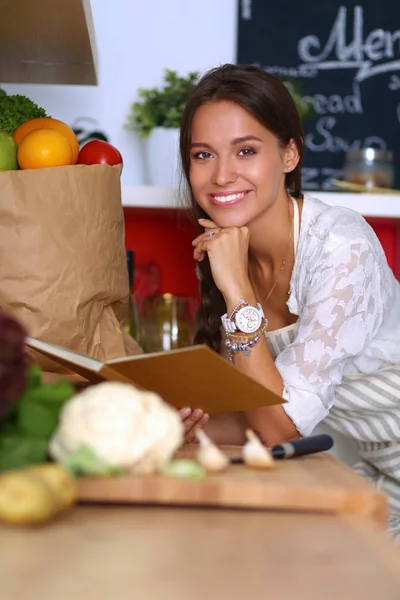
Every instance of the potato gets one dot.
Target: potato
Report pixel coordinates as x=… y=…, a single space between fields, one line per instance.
x=25 y=499
x=60 y=480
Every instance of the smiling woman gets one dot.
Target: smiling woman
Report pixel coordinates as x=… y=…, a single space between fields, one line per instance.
x=298 y=294
x=241 y=150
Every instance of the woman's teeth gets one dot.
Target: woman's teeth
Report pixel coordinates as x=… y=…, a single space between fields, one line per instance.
x=229 y=198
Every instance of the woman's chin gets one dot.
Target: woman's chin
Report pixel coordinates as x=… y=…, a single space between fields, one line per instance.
x=231 y=222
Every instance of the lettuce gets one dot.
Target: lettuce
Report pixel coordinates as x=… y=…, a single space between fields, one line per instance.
x=16 y=109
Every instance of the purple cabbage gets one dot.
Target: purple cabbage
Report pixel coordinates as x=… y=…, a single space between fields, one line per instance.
x=13 y=361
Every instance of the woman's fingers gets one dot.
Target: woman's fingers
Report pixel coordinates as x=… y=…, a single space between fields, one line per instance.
x=207 y=223
x=192 y=420
x=190 y=436
x=207 y=235
x=199 y=252
x=211 y=229
x=202 y=243
x=185 y=413
x=204 y=420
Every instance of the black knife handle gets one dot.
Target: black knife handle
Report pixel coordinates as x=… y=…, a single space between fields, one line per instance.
x=306 y=445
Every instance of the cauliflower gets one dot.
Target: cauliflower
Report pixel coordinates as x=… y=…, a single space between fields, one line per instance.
x=125 y=427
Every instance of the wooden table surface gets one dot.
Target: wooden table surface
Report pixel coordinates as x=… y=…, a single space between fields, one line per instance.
x=138 y=553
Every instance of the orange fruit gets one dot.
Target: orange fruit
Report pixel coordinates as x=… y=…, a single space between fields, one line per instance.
x=44 y=148
x=48 y=123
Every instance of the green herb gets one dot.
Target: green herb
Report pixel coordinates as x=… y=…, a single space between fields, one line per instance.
x=39 y=408
x=86 y=462
x=31 y=421
x=185 y=468
x=161 y=107
x=34 y=378
x=16 y=109
x=18 y=451
x=36 y=420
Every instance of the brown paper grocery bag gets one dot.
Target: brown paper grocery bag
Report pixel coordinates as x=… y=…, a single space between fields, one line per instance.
x=62 y=258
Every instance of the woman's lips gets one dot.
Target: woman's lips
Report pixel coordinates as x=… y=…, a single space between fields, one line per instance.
x=227 y=199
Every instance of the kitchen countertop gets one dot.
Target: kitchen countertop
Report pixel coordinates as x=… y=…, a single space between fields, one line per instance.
x=176 y=553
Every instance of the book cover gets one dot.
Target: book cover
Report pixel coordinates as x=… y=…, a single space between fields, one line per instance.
x=194 y=377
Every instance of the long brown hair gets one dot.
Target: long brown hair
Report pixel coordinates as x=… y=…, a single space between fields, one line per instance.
x=268 y=100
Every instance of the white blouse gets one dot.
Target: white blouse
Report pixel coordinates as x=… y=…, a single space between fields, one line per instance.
x=348 y=303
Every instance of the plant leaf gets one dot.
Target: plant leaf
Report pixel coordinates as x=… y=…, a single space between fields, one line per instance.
x=161 y=107
x=36 y=419
x=17 y=451
x=85 y=461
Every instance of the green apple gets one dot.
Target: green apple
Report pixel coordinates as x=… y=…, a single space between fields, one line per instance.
x=8 y=152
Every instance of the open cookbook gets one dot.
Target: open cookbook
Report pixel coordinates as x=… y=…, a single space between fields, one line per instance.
x=194 y=377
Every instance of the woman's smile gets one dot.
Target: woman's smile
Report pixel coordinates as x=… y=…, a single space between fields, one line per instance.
x=225 y=199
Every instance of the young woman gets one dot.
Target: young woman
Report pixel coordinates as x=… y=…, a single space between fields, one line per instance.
x=296 y=293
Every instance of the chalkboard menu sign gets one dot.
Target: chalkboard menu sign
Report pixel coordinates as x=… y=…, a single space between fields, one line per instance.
x=345 y=58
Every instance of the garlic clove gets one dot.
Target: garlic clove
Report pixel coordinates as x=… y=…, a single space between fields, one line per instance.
x=255 y=454
x=209 y=455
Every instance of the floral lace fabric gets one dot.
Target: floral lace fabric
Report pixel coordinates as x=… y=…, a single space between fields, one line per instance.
x=348 y=303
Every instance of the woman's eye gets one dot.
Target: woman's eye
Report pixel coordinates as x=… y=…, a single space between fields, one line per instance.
x=247 y=152
x=202 y=155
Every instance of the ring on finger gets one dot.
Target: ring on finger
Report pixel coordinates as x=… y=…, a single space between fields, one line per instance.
x=211 y=234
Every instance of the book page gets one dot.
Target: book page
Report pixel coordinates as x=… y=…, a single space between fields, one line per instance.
x=146 y=356
x=73 y=357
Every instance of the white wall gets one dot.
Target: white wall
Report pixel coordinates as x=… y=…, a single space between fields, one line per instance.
x=136 y=40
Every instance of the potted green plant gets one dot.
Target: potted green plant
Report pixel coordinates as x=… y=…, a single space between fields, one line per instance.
x=297 y=92
x=155 y=117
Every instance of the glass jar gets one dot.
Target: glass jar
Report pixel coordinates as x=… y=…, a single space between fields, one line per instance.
x=167 y=322
x=372 y=167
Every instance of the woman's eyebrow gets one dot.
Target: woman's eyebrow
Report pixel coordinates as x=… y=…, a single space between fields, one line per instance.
x=245 y=138
x=200 y=145
x=234 y=142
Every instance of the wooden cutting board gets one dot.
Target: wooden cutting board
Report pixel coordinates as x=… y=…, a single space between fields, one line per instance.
x=317 y=483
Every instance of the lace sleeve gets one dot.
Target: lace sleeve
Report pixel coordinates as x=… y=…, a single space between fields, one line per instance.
x=342 y=310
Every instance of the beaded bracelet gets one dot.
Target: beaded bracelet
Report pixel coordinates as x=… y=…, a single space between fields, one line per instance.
x=236 y=308
x=235 y=345
x=242 y=347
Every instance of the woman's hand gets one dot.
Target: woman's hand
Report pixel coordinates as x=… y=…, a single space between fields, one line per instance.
x=227 y=251
x=192 y=420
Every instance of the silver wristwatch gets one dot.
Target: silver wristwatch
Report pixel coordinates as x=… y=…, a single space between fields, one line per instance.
x=245 y=317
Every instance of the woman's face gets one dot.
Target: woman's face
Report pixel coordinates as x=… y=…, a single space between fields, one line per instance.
x=237 y=166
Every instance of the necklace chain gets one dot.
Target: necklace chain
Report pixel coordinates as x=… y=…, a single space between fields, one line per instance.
x=284 y=260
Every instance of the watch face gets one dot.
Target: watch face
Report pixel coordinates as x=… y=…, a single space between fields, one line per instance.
x=248 y=319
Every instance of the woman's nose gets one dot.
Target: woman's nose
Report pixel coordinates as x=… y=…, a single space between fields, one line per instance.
x=224 y=172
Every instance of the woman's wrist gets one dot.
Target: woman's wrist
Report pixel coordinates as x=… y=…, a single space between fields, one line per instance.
x=235 y=294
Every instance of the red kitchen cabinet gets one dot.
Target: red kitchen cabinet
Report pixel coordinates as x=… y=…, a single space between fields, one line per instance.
x=165 y=235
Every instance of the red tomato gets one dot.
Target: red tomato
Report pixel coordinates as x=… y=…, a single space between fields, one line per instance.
x=99 y=152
